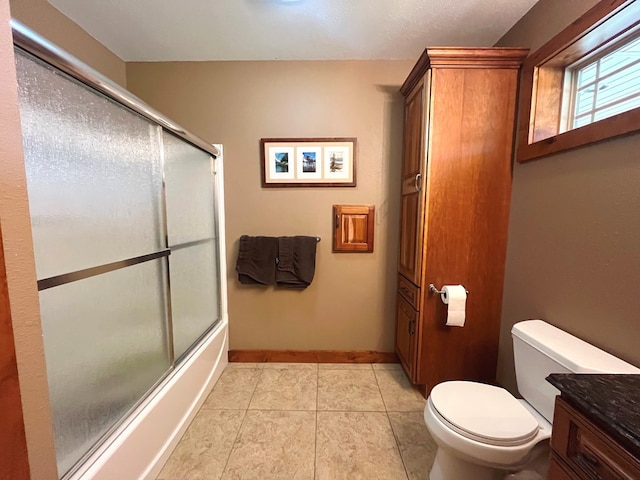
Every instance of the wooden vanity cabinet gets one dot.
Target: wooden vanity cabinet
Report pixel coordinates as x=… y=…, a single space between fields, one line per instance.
x=460 y=107
x=581 y=450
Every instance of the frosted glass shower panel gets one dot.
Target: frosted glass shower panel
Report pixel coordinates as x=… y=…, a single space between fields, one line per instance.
x=93 y=173
x=105 y=347
x=194 y=293
x=189 y=191
x=191 y=226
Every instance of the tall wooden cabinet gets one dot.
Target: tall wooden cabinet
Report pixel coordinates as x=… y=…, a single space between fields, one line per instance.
x=460 y=107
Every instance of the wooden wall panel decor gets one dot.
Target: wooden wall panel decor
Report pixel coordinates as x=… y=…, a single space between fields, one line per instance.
x=460 y=107
x=14 y=462
x=353 y=230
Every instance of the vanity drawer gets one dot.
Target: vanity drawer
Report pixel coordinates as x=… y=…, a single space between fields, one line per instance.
x=587 y=450
x=409 y=291
x=557 y=471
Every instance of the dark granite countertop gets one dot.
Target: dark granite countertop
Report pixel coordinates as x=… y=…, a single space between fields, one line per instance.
x=611 y=401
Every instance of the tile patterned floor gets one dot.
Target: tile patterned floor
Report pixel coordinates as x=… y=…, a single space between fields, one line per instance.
x=304 y=421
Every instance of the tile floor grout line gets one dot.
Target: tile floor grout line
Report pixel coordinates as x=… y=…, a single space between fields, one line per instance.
x=395 y=436
x=244 y=418
x=235 y=440
x=393 y=432
x=379 y=390
x=260 y=375
x=339 y=410
x=315 y=450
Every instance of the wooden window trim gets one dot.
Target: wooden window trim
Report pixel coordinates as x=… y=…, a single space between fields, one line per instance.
x=543 y=78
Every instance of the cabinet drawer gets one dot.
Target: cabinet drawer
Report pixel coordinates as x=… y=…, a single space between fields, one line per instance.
x=409 y=291
x=588 y=450
x=557 y=472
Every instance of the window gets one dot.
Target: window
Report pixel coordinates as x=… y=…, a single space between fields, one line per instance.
x=605 y=86
x=583 y=86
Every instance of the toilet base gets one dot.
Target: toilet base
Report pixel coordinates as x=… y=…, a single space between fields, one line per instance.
x=449 y=467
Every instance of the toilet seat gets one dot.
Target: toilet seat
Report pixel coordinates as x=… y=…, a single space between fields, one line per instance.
x=484 y=413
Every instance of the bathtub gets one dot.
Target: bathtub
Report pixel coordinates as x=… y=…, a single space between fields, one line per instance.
x=141 y=446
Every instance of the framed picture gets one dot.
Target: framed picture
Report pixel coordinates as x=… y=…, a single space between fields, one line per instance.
x=308 y=162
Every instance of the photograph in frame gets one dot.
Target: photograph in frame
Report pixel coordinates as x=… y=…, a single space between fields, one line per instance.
x=308 y=162
x=336 y=162
x=281 y=163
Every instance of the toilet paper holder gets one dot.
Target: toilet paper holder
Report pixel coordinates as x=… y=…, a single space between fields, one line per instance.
x=433 y=289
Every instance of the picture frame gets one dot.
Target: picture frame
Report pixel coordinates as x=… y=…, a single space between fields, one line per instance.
x=308 y=162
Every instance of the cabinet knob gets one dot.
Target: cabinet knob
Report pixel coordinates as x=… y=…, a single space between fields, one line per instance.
x=417 y=181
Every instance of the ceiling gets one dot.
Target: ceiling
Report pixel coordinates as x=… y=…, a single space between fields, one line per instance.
x=174 y=30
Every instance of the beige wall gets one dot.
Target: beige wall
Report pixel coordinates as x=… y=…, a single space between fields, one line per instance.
x=47 y=21
x=20 y=265
x=350 y=304
x=574 y=257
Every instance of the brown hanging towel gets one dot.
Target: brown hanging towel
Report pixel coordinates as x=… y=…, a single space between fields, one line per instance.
x=256 y=263
x=297 y=261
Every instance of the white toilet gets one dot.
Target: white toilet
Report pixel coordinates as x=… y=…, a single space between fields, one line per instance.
x=485 y=433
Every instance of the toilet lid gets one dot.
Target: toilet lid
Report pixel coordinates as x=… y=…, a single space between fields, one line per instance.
x=484 y=413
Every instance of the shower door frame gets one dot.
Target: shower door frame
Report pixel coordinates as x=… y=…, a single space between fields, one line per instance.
x=46 y=51
x=36 y=46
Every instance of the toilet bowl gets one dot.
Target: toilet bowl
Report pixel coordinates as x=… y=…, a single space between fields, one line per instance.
x=485 y=433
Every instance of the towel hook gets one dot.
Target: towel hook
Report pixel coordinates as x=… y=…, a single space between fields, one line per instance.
x=433 y=289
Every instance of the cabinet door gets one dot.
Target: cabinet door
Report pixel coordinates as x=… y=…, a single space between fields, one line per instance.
x=587 y=449
x=413 y=170
x=406 y=321
x=353 y=228
x=471 y=113
x=557 y=472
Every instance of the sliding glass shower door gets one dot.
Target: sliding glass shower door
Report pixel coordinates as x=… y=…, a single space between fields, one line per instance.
x=124 y=230
x=192 y=240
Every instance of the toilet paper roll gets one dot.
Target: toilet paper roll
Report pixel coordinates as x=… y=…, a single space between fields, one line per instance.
x=455 y=297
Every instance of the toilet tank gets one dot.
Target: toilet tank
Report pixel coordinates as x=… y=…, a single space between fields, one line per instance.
x=540 y=349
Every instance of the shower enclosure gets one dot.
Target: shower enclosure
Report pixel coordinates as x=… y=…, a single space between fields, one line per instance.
x=128 y=239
